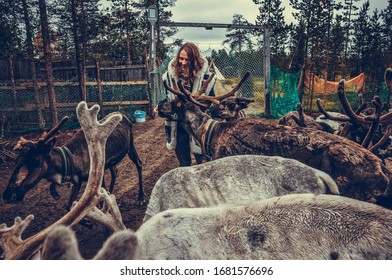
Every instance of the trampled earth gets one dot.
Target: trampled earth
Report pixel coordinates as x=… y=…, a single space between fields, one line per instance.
x=150 y=143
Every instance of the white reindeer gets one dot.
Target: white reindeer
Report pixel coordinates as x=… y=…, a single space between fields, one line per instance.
x=235 y=180
x=290 y=227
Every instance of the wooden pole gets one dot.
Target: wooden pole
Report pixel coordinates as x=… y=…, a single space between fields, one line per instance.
x=267 y=73
x=100 y=91
x=48 y=61
x=13 y=83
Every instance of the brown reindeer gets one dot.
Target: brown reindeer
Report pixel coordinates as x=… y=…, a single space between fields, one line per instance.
x=299 y=118
x=358 y=172
x=96 y=134
x=366 y=125
x=70 y=163
x=229 y=108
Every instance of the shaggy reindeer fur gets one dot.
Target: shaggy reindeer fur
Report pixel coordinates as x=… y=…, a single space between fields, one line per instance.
x=235 y=180
x=61 y=244
x=291 y=227
x=358 y=172
x=40 y=160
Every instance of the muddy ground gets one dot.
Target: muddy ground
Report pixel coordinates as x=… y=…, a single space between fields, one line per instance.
x=149 y=141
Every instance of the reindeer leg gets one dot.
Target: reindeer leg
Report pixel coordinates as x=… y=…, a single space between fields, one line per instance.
x=53 y=191
x=74 y=193
x=113 y=174
x=136 y=160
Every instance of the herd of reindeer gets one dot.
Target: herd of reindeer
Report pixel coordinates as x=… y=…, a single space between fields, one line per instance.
x=309 y=189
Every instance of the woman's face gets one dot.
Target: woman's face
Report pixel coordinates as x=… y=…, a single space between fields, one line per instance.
x=183 y=60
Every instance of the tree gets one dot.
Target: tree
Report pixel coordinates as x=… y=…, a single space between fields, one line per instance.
x=30 y=51
x=349 y=12
x=336 y=49
x=271 y=14
x=387 y=32
x=361 y=35
x=237 y=38
x=48 y=61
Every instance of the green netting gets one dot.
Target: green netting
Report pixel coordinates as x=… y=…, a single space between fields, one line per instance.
x=383 y=93
x=284 y=95
x=331 y=102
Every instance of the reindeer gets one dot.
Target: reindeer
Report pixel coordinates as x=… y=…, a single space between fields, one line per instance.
x=70 y=163
x=369 y=127
x=299 y=118
x=96 y=135
x=229 y=108
x=358 y=172
x=246 y=178
x=290 y=227
x=367 y=130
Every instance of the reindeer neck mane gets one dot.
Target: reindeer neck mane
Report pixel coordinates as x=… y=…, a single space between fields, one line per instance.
x=208 y=131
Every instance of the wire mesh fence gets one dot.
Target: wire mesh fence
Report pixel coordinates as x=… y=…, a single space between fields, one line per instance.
x=19 y=109
x=127 y=89
x=115 y=87
x=229 y=70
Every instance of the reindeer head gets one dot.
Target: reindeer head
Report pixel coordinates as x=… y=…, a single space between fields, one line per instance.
x=229 y=108
x=224 y=106
x=31 y=164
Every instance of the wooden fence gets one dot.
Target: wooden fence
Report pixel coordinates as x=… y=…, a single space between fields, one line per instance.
x=64 y=71
x=121 y=88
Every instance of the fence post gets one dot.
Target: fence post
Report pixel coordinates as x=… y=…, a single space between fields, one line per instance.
x=14 y=97
x=99 y=81
x=152 y=14
x=267 y=72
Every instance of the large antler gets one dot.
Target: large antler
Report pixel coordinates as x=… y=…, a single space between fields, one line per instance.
x=109 y=215
x=196 y=97
x=96 y=135
x=46 y=137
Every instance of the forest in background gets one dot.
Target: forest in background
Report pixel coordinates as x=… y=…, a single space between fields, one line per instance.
x=332 y=39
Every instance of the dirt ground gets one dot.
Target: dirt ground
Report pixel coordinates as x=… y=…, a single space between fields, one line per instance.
x=150 y=144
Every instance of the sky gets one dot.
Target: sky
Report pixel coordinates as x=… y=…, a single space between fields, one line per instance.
x=222 y=11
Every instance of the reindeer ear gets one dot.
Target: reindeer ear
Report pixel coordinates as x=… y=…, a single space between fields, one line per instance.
x=61 y=244
x=19 y=145
x=24 y=145
x=50 y=143
x=243 y=102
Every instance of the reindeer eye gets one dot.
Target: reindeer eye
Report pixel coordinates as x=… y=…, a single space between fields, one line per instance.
x=231 y=106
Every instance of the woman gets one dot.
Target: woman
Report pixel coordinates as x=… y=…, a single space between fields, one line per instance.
x=191 y=68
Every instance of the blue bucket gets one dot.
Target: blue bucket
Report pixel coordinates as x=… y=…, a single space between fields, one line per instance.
x=140 y=116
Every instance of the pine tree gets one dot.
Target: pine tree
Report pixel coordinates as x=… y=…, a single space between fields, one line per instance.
x=271 y=13
x=387 y=32
x=239 y=39
x=349 y=14
x=361 y=34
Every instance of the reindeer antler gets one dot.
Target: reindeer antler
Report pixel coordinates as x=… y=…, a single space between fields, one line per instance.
x=347 y=107
x=375 y=119
x=53 y=131
x=96 y=135
x=195 y=97
x=109 y=215
x=300 y=120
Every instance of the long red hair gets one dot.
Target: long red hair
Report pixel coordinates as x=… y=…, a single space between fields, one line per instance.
x=196 y=61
